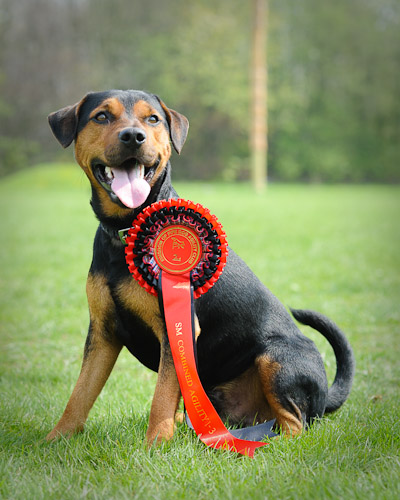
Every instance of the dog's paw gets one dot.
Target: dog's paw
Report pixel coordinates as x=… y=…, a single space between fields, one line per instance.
x=179 y=417
x=59 y=432
x=162 y=432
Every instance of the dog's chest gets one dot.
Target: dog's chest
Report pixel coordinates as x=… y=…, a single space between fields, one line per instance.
x=131 y=298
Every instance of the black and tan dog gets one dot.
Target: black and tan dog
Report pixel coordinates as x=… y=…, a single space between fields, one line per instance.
x=254 y=362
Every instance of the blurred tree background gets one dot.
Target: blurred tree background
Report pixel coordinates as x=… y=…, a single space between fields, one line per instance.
x=333 y=72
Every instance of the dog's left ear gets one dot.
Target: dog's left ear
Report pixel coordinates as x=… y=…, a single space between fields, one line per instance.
x=178 y=126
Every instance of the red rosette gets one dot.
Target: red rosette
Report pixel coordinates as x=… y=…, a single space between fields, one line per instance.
x=191 y=222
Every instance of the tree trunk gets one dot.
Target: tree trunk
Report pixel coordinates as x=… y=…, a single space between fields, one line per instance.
x=258 y=128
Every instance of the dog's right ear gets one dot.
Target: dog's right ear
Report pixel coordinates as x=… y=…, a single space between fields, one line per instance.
x=64 y=123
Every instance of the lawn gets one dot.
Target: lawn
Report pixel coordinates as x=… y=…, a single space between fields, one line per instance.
x=335 y=249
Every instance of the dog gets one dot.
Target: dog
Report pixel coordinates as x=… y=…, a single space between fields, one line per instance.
x=253 y=361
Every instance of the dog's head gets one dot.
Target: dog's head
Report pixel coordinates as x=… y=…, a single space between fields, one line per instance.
x=122 y=142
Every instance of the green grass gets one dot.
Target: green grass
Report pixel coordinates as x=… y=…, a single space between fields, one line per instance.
x=332 y=248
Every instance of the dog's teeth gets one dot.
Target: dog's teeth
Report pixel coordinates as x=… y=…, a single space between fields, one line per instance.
x=141 y=171
x=109 y=174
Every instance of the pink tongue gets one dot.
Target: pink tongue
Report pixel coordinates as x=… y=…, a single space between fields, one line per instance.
x=129 y=187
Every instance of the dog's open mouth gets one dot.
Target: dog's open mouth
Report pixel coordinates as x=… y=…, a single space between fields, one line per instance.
x=129 y=182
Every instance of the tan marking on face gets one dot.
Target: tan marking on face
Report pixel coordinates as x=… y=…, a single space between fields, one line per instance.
x=290 y=423
x=97 y=140
x=157 y=135
x=92 y=143
x=93 y=140
x=142 y=110
x=142 y=304
x=112 y=105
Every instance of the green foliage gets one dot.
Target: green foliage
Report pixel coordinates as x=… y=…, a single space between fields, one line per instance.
x=334 y=113
x=334 y=97
x=16 y=154
x=331 y=248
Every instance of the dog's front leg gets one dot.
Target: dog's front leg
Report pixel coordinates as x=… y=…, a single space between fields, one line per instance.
x=166 y=399
x=98 y=362
x=101 y=352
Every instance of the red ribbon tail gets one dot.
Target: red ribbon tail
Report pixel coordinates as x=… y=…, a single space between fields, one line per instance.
x=177 y=301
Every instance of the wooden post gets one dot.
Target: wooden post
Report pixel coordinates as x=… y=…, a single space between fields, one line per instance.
x=258 y=127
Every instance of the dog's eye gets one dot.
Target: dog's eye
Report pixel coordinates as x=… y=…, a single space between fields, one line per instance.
x=153 y=119
x=101 y=117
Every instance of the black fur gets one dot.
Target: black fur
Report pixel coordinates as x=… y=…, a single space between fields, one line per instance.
x=240 y=319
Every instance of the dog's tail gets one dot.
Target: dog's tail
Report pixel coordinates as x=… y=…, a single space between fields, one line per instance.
x=345 y=363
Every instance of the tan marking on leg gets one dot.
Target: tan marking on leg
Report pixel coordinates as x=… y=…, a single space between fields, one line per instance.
x=101 y=304
x=290 y=423
x=95 y=371
x=167 y=392
x=197 y=329
x=243 y=400
x=179 y=417
x=101 y=352
x=165 y=403
x=142 y=304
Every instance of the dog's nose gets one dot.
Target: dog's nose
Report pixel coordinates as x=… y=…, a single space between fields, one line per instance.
x=132 y=136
